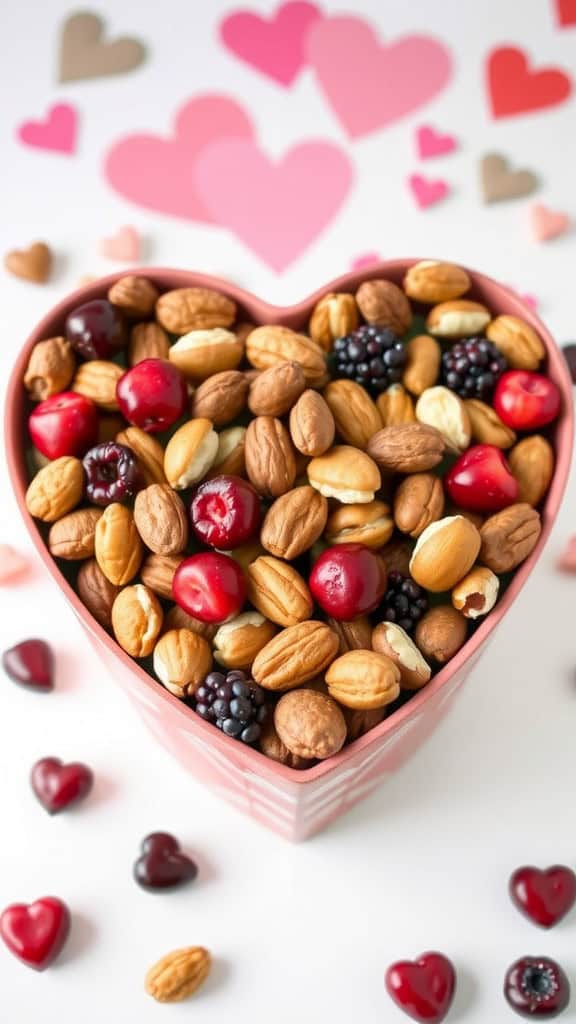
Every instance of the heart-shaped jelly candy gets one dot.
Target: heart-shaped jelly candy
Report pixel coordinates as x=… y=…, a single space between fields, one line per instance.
x=58 y=785
x=423 y=988
x=545 y=897
x=162 y=864
x=36 y=932
x=30 y=663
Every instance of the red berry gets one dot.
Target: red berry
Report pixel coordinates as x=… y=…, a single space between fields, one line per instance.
x=423 y=988
x=481 y=480
x=526 y=401
x=209 y=586
x=58 y=785
x=30 y=663
x=65 y=424
x=96 y=329
x=36 y=933
x=348 y=580
x=225 y=512
x=152 y=395
x=536 y=987
x=544 y=897
x=162 y=864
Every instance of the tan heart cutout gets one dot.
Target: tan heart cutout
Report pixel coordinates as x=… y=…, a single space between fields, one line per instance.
x=32 y=264
x=499 y=182
x=84 y=53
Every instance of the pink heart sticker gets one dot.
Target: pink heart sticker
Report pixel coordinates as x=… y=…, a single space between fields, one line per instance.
x=430 y=143
x=278 y=208
x=427 y=192
x=156 y=173
x=371 y=84
x=274 y=46
x=125 y=245
x=546 y=223
x=57 y=132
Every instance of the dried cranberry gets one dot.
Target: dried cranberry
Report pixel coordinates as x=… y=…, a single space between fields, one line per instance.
x=111 y=473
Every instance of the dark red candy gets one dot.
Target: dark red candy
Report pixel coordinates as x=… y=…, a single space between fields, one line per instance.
x=96 y=329
x=536 y=987
x=58 y=785
x=35 y=933
x=423 y=988
x=162 y=864
x=545 y=897
x=30 y=663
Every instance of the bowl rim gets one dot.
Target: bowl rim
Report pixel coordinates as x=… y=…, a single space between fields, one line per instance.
x=264 y=312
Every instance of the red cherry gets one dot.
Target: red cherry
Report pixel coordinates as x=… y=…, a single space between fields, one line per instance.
x=348 y=580
x=481 y=480
x=30 y=663
x=96 y=329
x=536 y=986
x=162 y=864
x=423 y=988
x=225 y=512
x=209 y=586
x=526 y=401
x=58 y=785
x=65 y=424
x=36 y=933
x=152 y=395
x=544 y=897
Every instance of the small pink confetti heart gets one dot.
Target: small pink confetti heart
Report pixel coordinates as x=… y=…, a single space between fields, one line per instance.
x=546 y=223
x=430 y=143
x=12 y=564
x=567 y=560
x=427 y=192
x=366 y=259
x=57 y=132
x=125 y=245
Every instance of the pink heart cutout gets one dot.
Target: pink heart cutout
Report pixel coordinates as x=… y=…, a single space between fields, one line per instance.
x=426 y=192
x=280 y=208
x=430 y=143
x=125 y=245
x=369 y=84
x=274 y=46
x=546 y=223
x=567 y=560
x=57 y=132
x=155 y=172
x=12 y=564
x=364 y=260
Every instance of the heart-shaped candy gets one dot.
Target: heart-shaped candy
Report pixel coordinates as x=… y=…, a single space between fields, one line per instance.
x=423 y=988
x=125 y=245
x=58 y=785
x=31 y=264
x=36 y=932
x=30 y=663
x=544 y=897
x=162 y=864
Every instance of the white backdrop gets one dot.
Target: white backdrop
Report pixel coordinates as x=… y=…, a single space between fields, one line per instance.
x=299 y=933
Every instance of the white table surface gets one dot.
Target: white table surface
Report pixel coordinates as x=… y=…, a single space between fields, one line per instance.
x=300 y=933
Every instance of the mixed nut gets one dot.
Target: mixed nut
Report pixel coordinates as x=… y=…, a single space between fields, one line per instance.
x=297 y=528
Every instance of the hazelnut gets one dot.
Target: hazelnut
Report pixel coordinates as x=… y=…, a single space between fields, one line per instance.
x=310 y=724
x=440 y=633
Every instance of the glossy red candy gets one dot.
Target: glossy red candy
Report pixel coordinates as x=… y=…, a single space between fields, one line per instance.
x=525 y=400
x=30 y=663
x=162 y=864
x=481 y=480
x=536 y=987
x=65 y=424
x=348 y=580
x=225 y=512
x=423 y=988
x=36 y=933
x=544 y=897
x=209 y=586
x=96 y=329
x=58 y=785
x=152 y=395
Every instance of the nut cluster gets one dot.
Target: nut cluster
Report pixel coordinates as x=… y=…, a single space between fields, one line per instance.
x=439 y=489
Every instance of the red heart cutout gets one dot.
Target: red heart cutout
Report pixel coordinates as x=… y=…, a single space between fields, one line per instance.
x=516 y=89
x=566 y=12
x=423 y=988
x=544 y=897
x=36 y=933
x=58 y=785
x=162 y=864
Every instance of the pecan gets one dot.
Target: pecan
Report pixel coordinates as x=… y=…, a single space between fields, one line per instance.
x=274 y=391
x=296 y=655
x=385 y=304
x=135 y=296
x=50 y=368
x=72 y=537
x=147 y=341
x=294 y=522
x=221 y=398
x=194 y=309
x=161 y=519
x=409 y=448
x=310 y=724
x=179 y=974
x=509 y=536
x=56 y=489
x=97 y=592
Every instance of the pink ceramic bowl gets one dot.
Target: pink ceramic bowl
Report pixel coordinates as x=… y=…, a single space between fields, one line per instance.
x=295 y=804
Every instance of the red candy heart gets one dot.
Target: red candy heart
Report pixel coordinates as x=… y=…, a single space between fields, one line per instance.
x=30 y=663
x=58 y=785
x=162 y=864
x=423 y=988
x=35 y=933
x=545 y=897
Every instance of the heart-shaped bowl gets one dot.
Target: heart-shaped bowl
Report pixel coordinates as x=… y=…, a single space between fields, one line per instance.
x=294 y=803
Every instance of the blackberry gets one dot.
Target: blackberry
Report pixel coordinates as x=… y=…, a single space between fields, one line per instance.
x=404 y=602
x=372 y=356
x=233 y=703
x=472 y=368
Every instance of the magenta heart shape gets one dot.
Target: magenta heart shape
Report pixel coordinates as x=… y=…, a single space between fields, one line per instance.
x=57 y=132
x=274 y=46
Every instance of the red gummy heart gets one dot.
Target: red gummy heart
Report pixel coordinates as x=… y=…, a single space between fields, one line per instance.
x=58 y=785
x=423 y=988
x=35 y=933
x=30 y=663
x=545 y=897
x=162 y=864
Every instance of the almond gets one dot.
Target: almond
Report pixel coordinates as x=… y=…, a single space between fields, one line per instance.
x=96 y=592
x=182 y=659
x=161 y=519
x=275 y=391
x=221 y=398
x=409 y=448
x=271 y=344
x=431 y=281
x=56 y=489
x=334 y=316
x=237 y=642
x=487 y=427
x=459 y=318
x=345 y=473
x=118 y=547
x=383 y=303
x=509 y=536
x=312 y=426
x=278 y=591
x=444 y=553
x=189 y=453
x=395 y=406
x=419 y=501
x=135 y=296
x=137 y=620
x=519 y=343
x=294 y=522
x=363 y=680
x=441 y=408
x=296 y=655
x=270 y=462
x=230 y=454
x=440 y=633
x=50 y=368
x=355 y=414
x=148 y=451
x=194 y=309
x=97 y=380
x=532 y=464
x=423 y=358
x=179 y=974
x=147 y=341
x=72 y=537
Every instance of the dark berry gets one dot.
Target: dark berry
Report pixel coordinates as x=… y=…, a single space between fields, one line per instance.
x=472 y=368
x=536 y=987
x=233 y=703
x=403 y=603
x=372 y=356
x=96 y=329
x=111 y=473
